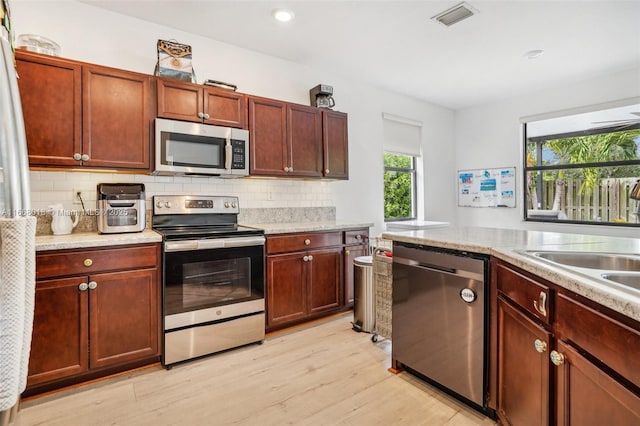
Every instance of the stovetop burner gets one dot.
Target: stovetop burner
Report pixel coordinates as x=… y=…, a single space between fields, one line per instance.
x=188 y=217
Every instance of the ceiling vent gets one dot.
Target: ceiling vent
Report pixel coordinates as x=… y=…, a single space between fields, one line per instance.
x=455 y=14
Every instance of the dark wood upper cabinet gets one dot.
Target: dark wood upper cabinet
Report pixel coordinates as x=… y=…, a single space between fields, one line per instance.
x=51 y=94
x=304 y=140
x=185 y=101
x=84 y=115
x=335 y=141
x=269 y=155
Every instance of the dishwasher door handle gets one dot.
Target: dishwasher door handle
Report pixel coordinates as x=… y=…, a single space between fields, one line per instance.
x=437 y=268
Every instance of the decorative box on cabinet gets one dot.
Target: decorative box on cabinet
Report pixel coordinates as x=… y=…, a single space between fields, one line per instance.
x=84 y=115
x=181 y=100
x=303 y=276
x=559 y=358
x=96 y=312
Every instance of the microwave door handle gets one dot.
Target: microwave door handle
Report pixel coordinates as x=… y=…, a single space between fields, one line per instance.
x=228 y=151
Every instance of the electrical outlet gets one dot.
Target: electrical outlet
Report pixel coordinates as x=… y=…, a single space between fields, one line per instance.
x=76 y=196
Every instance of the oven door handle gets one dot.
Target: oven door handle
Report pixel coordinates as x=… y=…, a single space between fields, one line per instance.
x=214 y=243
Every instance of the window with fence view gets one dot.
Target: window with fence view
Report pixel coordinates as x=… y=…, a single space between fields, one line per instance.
x=583 y=168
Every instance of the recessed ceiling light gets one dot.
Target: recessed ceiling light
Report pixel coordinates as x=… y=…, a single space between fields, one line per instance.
x=283 y=15
x=533 y=54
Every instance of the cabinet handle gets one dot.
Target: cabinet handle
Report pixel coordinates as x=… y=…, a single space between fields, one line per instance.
x=93 y=285
x=540 y=345
x=310 y=258
x=83 y=287
x=201 y=115
x=347 y=252
x=306 y=258
x=206 y=116
x=286 y=169
x=87 y=262
x=85 y=157
x=358 y=237
x=77 y=156
x=541 y=304
x=307 y=242
x=556 y=358
x=326 y=171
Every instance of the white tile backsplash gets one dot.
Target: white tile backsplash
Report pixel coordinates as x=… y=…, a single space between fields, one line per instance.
x=58 y=186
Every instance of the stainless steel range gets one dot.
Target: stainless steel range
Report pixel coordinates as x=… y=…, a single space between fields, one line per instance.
x=213 y=276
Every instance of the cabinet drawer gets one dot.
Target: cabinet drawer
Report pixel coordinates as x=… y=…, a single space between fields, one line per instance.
x=531 y=295
x=297 y=242
x=613 y=343
x=89 y=261
x=359 y=236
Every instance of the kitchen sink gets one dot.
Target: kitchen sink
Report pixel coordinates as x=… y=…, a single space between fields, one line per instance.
x=602 y=261
x=629 y=280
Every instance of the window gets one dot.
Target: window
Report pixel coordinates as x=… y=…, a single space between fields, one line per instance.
x=582 y=168
x=399 y=186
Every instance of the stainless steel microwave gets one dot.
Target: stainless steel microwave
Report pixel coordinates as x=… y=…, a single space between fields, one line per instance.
x=184 y=148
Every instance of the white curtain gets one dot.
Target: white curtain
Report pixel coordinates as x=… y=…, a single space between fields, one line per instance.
x=401 y=135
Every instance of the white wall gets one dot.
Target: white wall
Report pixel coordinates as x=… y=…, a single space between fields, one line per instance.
x=489 y=136
x=93 y=35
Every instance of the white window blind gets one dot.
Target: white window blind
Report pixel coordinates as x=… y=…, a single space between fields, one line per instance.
x=401 y=135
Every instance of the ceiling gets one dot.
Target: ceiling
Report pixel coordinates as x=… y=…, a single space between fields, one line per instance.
x=396 y=46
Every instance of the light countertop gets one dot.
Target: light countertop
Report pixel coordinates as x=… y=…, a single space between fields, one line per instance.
x=94 y=239
x=290 y=227
x=508 y=244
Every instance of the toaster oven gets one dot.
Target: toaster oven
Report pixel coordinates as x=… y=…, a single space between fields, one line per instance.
x=121 y=208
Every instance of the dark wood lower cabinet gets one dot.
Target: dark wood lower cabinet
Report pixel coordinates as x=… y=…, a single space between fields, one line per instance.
x=286 y=289
x=523 y=371
x=92 y=324
x=324 y=280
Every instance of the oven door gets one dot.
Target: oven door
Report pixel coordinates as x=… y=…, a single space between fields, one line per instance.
x=212 y=283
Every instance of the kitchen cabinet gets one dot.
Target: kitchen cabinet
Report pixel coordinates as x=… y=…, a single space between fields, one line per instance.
x=185 y=101
x=335 y=143
x=96 y=312
x=297 y=140
x=83 y=115
x=303 y=276
x=356 y=244
x=286 y=139
x=559 y=358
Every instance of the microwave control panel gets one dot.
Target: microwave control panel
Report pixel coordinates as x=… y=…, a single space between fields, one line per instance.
x=238 y=154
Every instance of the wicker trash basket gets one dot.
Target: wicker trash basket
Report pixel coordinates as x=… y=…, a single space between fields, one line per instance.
x=382 y=283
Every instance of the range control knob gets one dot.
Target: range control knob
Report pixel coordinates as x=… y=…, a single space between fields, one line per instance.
x=234 y=205
x=159 y=204
x=226 y=204
x=168 y=204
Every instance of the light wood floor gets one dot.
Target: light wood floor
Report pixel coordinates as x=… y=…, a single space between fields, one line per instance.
x=322 y=374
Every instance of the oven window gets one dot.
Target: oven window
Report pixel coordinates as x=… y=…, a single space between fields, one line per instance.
x=207 y=278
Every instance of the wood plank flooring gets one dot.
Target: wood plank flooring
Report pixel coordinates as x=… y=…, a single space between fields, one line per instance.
x=320 y=374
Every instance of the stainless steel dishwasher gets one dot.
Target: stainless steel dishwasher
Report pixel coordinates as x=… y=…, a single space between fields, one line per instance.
x=439 y=318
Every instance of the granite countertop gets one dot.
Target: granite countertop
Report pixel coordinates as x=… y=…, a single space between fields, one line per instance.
x=94 y=239
x=290 y=227
x=509 y=244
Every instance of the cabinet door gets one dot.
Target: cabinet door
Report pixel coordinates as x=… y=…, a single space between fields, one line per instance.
x=523 y=371
x=179 y=100
x=268 y=137
x=59 y=343
x=124 y=317
x=588 y=396
x=116 y=118
x=225 y=108
x=51 y=95
x=336 y=145
x=350 y=253
x=286 y=288
x=305 y=140
x=324 y=279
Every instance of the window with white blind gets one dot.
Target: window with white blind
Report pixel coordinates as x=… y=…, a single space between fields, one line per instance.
x=402 y=147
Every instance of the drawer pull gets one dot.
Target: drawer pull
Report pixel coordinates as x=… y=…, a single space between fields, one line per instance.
x=541 y=304
x=93 y=285
x=306 y=258
x=540 y=345
x=556 y=358
x=87 y=262
x=307 y=242
x=83 y=287
x=310 y=258
x=347 y=252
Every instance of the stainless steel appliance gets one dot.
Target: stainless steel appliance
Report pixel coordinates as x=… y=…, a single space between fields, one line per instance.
x=213 y=276
x=439 y=319
x=121 y=208
x=17 y=235
x=183 y=148
x=321 y=96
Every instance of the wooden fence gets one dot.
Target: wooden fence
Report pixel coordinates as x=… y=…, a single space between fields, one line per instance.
x=607 y=203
